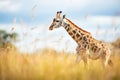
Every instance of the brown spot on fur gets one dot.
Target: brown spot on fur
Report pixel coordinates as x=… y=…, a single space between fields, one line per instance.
x=67 y=29
x=95 y=49
x=70 y=33
x=89 y=40
x=73 y=37
x=85 y=46
x=86 y=42
x=68 y=24
x=82 y=34
x=90 y=36
x=87 y=35
x=74 y=31
x=92 y=48
x=77 y=35
x=98 y=49
x=80 y=38
x=84 y=38
x=88 y=46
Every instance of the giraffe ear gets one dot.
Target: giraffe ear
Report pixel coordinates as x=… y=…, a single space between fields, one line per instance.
x=64 y=16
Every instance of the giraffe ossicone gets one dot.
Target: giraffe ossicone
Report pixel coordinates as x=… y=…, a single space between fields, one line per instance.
x=88 y=46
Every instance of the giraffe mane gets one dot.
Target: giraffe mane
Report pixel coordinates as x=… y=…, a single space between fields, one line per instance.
x=77 y=26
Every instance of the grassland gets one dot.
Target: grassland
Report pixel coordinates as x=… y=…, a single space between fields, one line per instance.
x=49 y=64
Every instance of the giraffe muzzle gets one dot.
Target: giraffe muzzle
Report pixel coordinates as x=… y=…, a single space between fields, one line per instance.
x=50 y=28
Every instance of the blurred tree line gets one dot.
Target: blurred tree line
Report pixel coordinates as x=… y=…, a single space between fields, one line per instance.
x=7 y=38
x=116 y=43
x=116 y=46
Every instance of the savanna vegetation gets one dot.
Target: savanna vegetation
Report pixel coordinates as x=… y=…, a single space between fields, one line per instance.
x=49 y=64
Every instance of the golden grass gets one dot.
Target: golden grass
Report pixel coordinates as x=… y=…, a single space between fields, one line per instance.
x=51 y=65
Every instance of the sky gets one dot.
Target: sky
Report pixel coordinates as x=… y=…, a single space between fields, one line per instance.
x=32 y=18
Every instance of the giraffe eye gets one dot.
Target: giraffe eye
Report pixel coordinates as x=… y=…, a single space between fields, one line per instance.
x=57 y=20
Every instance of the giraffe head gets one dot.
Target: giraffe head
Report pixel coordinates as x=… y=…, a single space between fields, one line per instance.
x=58 y=21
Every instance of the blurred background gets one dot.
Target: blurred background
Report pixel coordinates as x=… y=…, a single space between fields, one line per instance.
x=26 y=22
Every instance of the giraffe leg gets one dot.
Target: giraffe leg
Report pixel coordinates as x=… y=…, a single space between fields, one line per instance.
x=102 y=62
x=84 y=57
x=85 y=62
x=81 y=55
x=105 y=59
x=108 y=60
x=78 y=58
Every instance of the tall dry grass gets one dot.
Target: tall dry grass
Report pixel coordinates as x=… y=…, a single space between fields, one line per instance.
x=49 y=64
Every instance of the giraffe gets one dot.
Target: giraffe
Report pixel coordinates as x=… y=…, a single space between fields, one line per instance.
x=88 y=47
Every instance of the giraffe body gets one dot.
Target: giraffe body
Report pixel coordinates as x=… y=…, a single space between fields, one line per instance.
x=88 y=47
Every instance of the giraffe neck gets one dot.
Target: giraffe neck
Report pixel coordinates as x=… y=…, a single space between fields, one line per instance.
x=75 y=32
